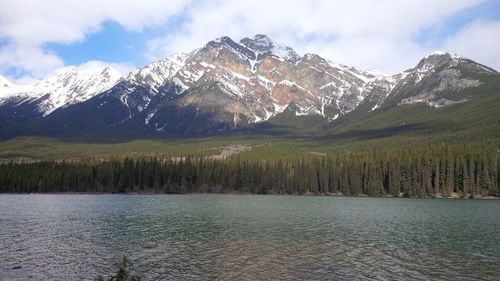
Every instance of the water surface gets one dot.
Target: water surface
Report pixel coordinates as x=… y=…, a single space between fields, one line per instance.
x=245 y=237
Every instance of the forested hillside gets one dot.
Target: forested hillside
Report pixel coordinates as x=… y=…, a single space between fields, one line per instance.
x=456 y=171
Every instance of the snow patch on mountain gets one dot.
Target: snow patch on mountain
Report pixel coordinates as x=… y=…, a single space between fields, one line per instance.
x=73 y=86
x=156 y=74
x=70 y=86
x=443 y=53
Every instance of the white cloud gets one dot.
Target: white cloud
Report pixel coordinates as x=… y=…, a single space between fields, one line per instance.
x=26 y=25
x=478 y=41
x=377 y=35
x=27 y=58
x=371 y=34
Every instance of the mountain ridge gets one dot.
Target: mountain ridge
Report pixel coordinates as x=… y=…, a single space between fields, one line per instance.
x=227 y=85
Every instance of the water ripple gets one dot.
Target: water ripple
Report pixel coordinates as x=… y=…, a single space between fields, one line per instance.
x=209 y=237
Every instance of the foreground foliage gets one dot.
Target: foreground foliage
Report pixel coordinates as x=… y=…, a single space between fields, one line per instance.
x=122 y=273
x=423 y=172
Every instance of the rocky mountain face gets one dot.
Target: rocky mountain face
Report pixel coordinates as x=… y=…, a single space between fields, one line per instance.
x=438 y=80
x=227 y=85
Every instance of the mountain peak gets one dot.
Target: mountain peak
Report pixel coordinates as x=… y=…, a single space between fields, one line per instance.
x=75 y=77
x=224 y=40
x=261 y=37
x=435 y=59
x=261 y=43
x=440 y=58
x=155 y=74
x=442 y=54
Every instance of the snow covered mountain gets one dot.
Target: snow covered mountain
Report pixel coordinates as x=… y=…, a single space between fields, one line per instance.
x=233 y=84
x=227 y=85
x=70 y=86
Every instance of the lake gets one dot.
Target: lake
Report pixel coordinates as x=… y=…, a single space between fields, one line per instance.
x=249 y=237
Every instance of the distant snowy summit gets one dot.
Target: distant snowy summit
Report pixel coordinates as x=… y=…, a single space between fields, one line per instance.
x=70 y=86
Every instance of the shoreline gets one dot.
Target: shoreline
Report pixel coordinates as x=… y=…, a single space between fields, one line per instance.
x=272 y=194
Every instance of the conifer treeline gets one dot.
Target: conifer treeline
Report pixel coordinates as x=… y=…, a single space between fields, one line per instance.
x=412 y=172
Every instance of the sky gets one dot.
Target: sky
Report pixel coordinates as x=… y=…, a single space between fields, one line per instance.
x=39 y=38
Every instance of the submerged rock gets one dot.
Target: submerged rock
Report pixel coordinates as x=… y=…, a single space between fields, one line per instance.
x=151 y=245
x=17 y=267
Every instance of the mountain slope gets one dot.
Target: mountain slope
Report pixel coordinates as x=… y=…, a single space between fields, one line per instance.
x=225 y=86
x=438 y=80
x=457 y=99
x=252 y=86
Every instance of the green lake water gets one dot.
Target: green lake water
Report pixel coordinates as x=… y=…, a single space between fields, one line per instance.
x=247 y=237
